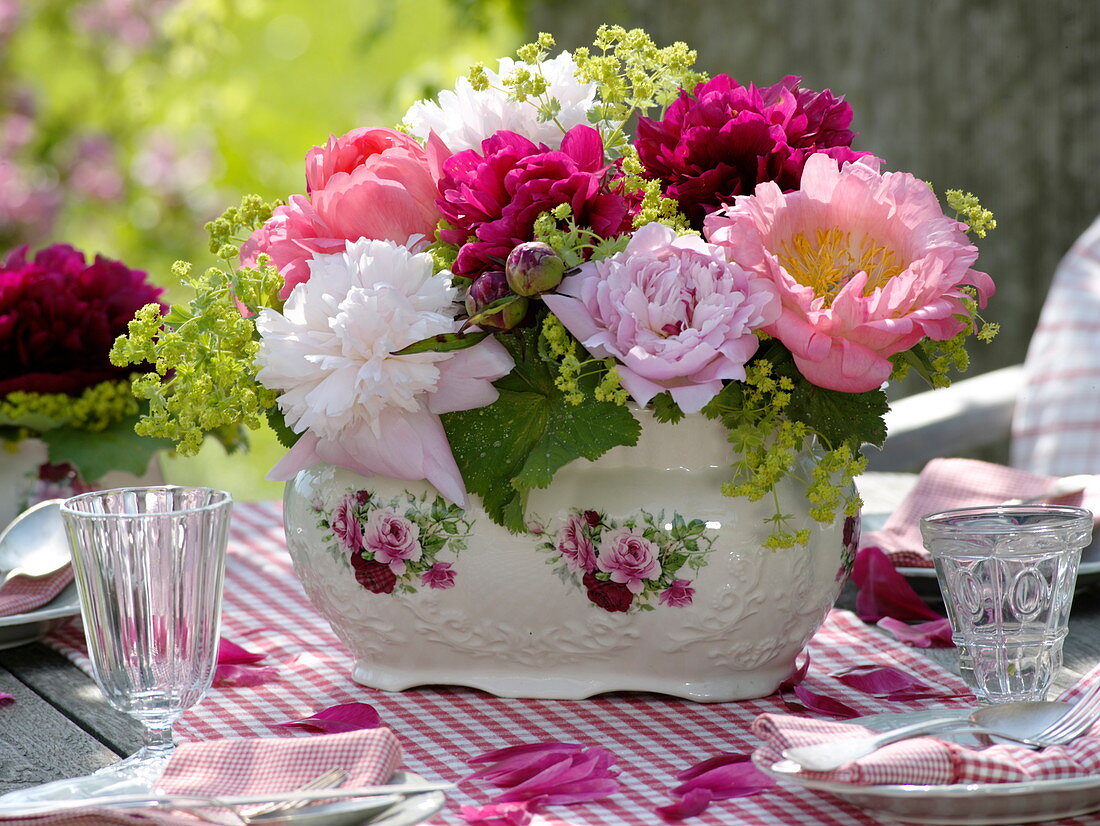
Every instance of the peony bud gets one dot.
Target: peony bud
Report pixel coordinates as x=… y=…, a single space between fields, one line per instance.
x=533 y=267
x=487 y=288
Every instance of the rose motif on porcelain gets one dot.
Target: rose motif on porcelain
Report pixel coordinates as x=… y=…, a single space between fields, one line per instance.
x=396 y=545
x=632 y=563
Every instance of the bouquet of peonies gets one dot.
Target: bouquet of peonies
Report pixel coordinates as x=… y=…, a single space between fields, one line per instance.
x=492 y=290
x=59 y=316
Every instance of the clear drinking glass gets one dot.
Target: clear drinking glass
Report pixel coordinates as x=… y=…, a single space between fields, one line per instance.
x=1007 y=574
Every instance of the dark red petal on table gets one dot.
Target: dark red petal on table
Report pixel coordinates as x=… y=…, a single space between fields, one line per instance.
x=527 y=748
x=691 y=804
x=797 y=675
x=880 y=680
x=883 y=592
x=238 y=676
x=933 y=634
x=229 y=653
x=339 y=718
x=736 y=778
x=722 y=759
x=547 y=773
x=6 y=699
x=823 y=704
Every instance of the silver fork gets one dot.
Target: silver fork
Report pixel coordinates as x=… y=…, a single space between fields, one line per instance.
x=328 y=780
x=1075 y=722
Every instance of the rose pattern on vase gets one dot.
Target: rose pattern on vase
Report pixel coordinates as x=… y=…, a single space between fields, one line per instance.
x=394 y=546
x=636 y=563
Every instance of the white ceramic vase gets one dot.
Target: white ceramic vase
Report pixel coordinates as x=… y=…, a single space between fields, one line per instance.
x=637 y=574
x=21 y=485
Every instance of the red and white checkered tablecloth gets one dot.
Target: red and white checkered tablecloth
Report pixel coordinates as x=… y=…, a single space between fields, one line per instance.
x=655 y=737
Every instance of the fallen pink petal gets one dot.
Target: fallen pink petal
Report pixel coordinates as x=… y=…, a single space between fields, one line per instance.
x=797 y=675
x=547 y=773
x=497 y=814
x=880 y=680
x=883 y=592
x=823 y=704
x=933 y=634
x=338 y=719
x=721 y=759
x=736 y=776
x=691 y=804
x=229 y=653
x=240 y=676
x=6 y=699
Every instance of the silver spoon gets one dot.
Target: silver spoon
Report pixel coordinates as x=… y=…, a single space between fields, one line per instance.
x=1020 y=722
x=34 y=543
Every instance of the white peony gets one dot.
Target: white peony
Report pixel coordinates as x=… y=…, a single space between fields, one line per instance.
x=464 y=117
x=330 y=355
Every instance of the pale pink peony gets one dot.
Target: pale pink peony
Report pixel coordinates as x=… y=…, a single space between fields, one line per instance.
x=345 y=525
x=440 y=576
x=866 y=265
x=673 y=310
x=575 y=546
x=370 y=183
x=677 y=595
x=629 y=557
x=392 y=538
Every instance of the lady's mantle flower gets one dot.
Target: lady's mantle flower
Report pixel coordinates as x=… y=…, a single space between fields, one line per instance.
x=866 y=264
x=393 y=539
x=464 y=117
x=629 y=557
x=673 y=310
x=370 y=183
x=358 y=406
x=724 y=138
x=59 y=316
x=496 y=194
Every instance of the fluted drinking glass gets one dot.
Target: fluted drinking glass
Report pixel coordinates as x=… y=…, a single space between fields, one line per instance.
x=149 y=565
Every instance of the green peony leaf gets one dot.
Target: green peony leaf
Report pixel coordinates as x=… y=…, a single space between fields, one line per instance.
x=95 y=454
x=839 y=418
x=277 y=422
x=518 y=443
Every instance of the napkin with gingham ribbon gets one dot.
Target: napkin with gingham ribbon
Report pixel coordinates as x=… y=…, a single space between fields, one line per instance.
x=23 y=593
x=247 y=766
x=927 y=760
x=961 y=483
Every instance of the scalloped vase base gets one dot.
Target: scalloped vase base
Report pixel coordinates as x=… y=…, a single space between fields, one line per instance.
x=636 y=574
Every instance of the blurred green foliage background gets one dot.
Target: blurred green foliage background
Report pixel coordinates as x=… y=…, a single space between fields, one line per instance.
x=125 y=125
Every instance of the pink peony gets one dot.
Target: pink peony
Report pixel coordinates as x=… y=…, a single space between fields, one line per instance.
x=59 y=316
x=370 y=183
x=496 y=195
x=866 y=265
x=393 y=539
x=440 y=576
x=673 y=310
x=723 y=139
x=575 y=546
x=677 y=595
x=629 y=557
x=345 y=525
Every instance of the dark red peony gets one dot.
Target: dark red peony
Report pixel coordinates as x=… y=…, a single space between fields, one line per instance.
x=723 y=139
x=374 y=576
x=59 y=317
x=491 y=199
x=611 y=596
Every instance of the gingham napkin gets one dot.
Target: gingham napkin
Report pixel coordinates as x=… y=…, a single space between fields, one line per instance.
x=926 y=760
x=960 y=483
x=257 y=765
x=26 y=593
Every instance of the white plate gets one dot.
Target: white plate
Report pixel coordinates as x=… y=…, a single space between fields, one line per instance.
x=20 y=629
x=965 y=804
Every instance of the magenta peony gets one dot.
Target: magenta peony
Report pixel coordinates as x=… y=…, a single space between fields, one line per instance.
x=723 y=139
x=59 y=316
x=370 y=183
x=866 y=265
x=673 y=310
x=495 y=196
